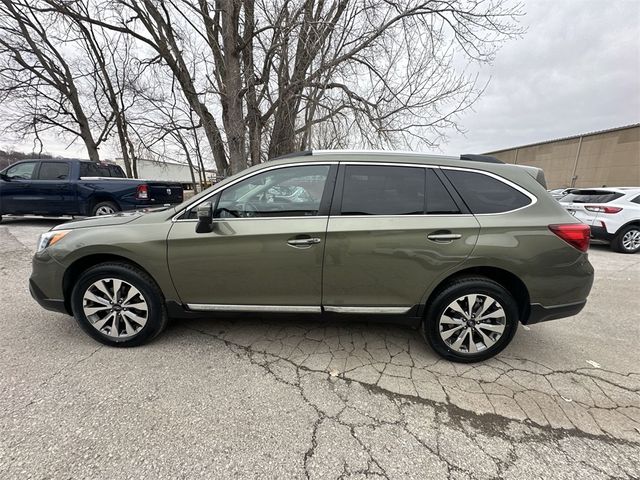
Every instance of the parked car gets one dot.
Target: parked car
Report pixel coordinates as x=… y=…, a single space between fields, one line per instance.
x=463 y=249
x=612 y=213
x=558 y=193
x=77 y=187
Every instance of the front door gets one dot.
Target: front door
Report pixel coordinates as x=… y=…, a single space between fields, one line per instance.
x=392 y=232
x=16 y=194
x=265 y=248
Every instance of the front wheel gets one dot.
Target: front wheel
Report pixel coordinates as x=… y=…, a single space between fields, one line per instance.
x=627 y=240
x=471 y=320
x=118 y=305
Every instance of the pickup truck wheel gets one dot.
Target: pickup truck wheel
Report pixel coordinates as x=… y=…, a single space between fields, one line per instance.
x=627 y=240
x=472 y=319
x=104 y=208
x=118 y=305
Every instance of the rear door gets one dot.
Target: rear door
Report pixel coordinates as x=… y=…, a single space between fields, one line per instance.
x=53 y=191
x=393 y=229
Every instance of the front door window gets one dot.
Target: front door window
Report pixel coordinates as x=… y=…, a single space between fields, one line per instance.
x=285 y=192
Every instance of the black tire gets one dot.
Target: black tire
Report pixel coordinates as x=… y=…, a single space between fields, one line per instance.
x=617 y=244
x=455 y=290
x=156 y=320
x=104 y=208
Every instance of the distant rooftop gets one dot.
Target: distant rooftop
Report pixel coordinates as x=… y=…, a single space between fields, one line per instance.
x=597 y=132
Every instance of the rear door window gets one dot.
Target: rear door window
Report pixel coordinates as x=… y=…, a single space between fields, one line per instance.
x=591 y=196
x=53 y=171
x=485 y=194
x=383 y=190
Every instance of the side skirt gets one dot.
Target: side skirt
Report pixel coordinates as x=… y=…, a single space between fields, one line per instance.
x=394 y=315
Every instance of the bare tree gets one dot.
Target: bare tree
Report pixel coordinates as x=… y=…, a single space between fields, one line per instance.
x=267 y=77
x=36 y=76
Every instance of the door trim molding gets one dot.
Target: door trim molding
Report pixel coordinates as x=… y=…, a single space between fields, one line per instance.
x=216 y=307
x=370 y=310
x=219 y=307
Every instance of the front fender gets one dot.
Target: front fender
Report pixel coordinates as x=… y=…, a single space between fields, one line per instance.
x=144 y=244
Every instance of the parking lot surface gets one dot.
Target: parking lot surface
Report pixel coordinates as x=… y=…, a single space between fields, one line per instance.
x=270 y=398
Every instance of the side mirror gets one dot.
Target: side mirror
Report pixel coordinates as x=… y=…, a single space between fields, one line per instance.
x=5 y=177
x=205 y=218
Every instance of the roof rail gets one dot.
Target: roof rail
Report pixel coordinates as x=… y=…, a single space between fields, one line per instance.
x=479 y=158
x=302 y=153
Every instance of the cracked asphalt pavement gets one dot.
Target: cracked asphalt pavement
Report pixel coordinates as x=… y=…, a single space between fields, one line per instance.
x=269 y=398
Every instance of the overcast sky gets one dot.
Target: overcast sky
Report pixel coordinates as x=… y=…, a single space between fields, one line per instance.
x=576 y=70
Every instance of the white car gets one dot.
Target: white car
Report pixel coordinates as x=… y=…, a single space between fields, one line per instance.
x=612 y=213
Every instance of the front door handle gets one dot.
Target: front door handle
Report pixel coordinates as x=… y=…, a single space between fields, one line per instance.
x=444 y=237
x=303 y=242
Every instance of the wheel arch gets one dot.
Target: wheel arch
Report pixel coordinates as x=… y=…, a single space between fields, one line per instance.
x=74 y=270
x=635 y=222
x=96 y=198
x=511 y=282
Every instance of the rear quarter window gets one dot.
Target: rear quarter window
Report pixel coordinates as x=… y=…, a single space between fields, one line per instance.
x=485 y=194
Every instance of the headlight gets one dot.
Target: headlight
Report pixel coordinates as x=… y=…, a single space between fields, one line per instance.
x=50 y=238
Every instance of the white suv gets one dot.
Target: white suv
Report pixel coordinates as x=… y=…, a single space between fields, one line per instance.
x=612 y=213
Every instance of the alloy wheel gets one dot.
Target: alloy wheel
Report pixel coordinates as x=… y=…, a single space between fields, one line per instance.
x=472 y=323
x=115 y=307
x=631 y=240
x=105 y=210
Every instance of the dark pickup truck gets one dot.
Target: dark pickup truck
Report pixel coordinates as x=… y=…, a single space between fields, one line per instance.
x=77 y=187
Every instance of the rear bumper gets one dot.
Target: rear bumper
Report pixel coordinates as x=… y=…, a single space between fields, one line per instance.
x=600 y=233
x=539 y=313
x=52 y=304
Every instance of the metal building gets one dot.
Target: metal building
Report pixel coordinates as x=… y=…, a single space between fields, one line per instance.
x=607 y=157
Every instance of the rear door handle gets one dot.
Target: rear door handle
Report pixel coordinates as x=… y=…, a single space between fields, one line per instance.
x=303 y=242
x=444 y=237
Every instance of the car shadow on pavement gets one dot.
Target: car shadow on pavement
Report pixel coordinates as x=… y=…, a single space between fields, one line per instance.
x=40 y=222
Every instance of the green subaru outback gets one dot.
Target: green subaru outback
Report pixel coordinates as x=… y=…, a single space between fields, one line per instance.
x=462 y=248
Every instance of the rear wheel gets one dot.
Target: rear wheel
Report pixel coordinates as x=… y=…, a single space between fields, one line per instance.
x=470 y=320
x=104 y=208
x=118 y=305
x=627 y=240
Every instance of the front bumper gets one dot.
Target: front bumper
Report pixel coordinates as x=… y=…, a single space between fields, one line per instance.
x=45 y=283
x=539 y=313
x=52 y=304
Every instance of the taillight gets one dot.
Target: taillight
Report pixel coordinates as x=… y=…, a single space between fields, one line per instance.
x=596 y=208
x=143 y=192
x=575 y=234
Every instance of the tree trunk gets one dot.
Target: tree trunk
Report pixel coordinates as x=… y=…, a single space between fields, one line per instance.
x=253 y=110
x=231 y=92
